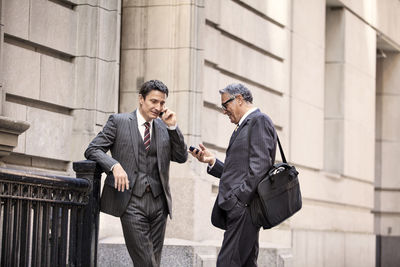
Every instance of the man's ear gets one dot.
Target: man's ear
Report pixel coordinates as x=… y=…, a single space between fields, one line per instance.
x=240 y=99
x=141 y=99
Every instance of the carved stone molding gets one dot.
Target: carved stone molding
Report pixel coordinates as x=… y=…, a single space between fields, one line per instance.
x=10 y=129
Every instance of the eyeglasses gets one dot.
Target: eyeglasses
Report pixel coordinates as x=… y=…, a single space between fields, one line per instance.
x=224 y=105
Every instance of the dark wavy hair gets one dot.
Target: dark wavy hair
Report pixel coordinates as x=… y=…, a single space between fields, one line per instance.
x=153 y=85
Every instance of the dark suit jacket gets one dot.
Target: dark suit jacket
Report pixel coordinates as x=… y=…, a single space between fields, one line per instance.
x=120 y=136
x=250 y=154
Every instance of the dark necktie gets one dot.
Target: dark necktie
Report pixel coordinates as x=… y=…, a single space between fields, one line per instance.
x=146 y=138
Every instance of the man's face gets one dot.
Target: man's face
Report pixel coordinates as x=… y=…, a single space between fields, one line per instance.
x=151 y=106
x=232 y=108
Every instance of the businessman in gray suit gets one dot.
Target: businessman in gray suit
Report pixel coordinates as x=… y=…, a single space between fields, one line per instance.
x=250 y=154
x=142 y=144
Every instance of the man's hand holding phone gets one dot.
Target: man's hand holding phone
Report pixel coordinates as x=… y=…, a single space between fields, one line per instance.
x=168 y=117
x=202 y=154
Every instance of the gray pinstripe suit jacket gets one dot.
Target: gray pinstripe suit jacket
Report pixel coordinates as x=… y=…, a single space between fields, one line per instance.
x=250 y=154
x=120 y=136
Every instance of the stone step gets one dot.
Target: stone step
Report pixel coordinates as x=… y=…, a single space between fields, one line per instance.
x=189 y=255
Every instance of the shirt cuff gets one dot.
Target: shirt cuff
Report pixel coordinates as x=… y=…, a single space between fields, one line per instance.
x=212 y=166
x=112 y=167
x=172 y=127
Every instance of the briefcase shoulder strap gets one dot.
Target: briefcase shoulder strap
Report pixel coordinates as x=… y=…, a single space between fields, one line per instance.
x=281 y=150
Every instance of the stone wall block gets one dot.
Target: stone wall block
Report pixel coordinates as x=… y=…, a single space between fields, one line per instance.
x=160 y=31
x=111 y=5
x=357 y=244
x=81 y=141
x=135 y=3
x=334 y=40
x=57 y=84
x=390 y=201
x=312 y=248
x=53 y=25
x=278 y=11
x=241 y=23
x=312 y=26
x=359 y=97
x=128 y=101
x=85 y=73
x=389 y=78
x=333 y=147
x=49 y=134
x=181 y=227
x=211 y=85
x=220 y=124
x=212 y=10
x=251 y=64
x=388 y=225
x=16 y=18
x=362 y=57
x=307 y=134
x=87 y=35
x=391 y=119
x=108 y=34
x=333 y=218
x=308 y=60
x=271 y=104
x=84 y=120
x=21 y=71
x=359 y=150
x=186 y=105
x=387 y=18
x=134 y=25
x=133 y=69
x=107 y=94
x=102 y=117
x=334 y=189
x=366 y=9
x=161 y=64
x=334 y=91
x=390 y=167
x=211 y=44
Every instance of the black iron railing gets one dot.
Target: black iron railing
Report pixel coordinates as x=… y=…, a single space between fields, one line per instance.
x=48 y=220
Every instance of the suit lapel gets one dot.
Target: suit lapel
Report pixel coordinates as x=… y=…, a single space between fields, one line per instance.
x=244 y=123
x=133 y=131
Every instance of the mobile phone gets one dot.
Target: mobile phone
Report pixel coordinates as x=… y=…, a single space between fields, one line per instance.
x=192 y=148
x=161 y=113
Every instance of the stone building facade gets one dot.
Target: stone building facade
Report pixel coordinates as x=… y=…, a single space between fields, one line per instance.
x=326 y=71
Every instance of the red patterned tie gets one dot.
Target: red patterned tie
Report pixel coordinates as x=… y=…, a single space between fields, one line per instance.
x=146 y=138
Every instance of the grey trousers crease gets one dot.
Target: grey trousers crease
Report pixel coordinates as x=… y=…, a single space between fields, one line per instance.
x=143 y=224
x=240 y=245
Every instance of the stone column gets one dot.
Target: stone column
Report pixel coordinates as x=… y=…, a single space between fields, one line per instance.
x=162 y=40
x=97 y=69
x=1 y=55
x=387 y=183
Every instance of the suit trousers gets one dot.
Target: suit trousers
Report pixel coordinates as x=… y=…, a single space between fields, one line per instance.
x=143 y=225
x=240 y=245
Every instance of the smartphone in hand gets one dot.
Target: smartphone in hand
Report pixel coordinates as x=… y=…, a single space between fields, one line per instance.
x=192 y=148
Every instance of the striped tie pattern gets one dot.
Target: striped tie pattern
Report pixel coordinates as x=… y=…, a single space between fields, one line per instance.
x=146 y=138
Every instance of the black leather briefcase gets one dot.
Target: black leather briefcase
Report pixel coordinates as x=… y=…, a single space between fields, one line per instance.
x=278 y=195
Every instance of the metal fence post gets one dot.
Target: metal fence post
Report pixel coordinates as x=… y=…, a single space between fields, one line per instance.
x=89 y=170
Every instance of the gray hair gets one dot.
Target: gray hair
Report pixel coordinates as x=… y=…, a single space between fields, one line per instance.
x=238 y=89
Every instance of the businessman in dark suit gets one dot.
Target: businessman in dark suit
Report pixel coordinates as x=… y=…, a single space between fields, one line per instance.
x=250 y=154
x=142 y=144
